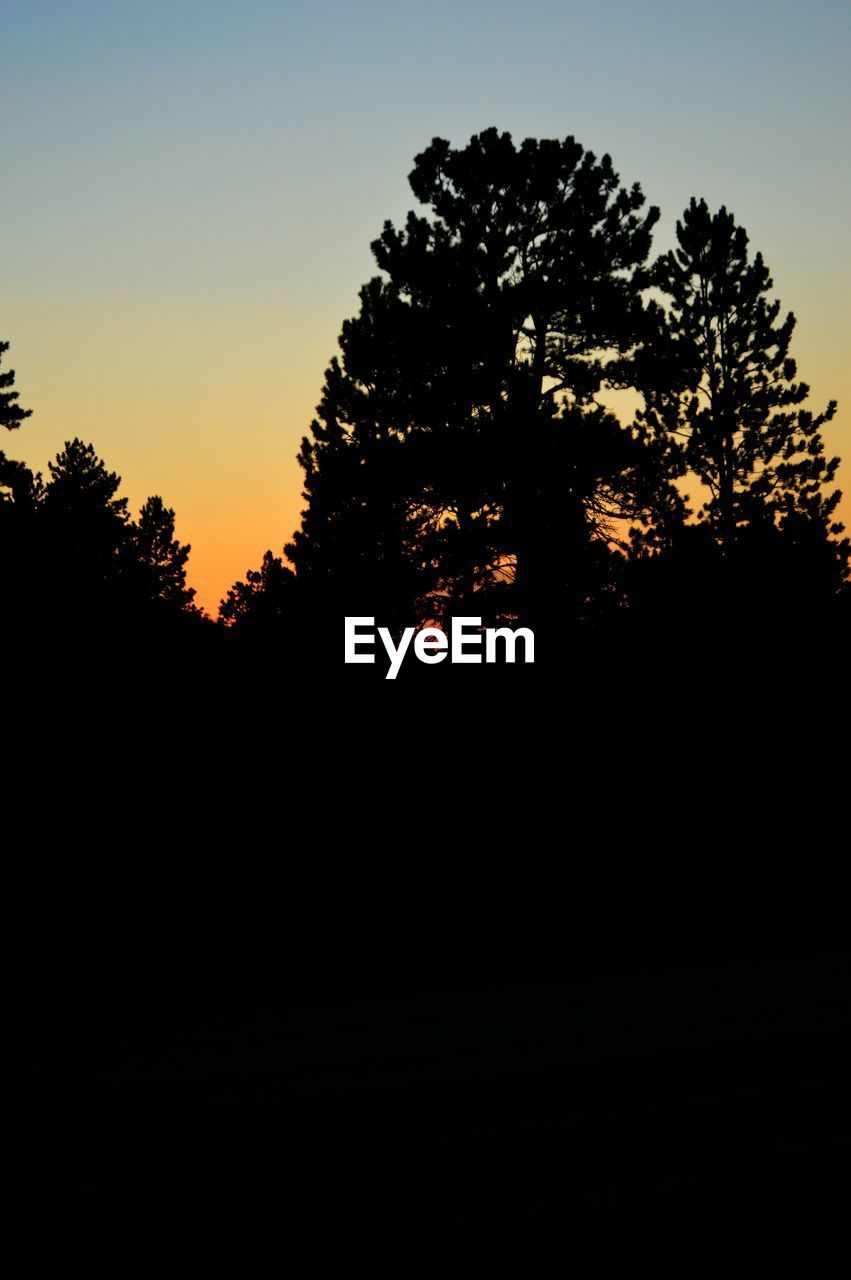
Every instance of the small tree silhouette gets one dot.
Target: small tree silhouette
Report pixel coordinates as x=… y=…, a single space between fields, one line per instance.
x=11 y=413
x=86 y=522
x=19 y=494
x=17 y=482
x=263 y=600
x=722 y=389
x=160 y=557
x=721 y=396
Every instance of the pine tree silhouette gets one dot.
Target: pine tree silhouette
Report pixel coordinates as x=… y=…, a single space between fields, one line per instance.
x=161 y=558
x=458 y=459
x=736 y=419
x=721 y=395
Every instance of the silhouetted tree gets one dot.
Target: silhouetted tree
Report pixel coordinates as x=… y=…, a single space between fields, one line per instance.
x=727 y=402
x=11 y=413
x=160 y=558
x=448 y=439
x=19 y=492
x=98 y=569
x=17 y=482
x=352 y=551
x=264 y=600
x=721 y=395
x=86 y=529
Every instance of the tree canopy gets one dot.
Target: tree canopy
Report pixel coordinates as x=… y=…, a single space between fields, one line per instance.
x=459 y=448
x=466 y=457
x=73 y=562
x=730 y=407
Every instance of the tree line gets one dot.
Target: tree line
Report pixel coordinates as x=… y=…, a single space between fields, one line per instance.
x=72 y=559
x=465 y=456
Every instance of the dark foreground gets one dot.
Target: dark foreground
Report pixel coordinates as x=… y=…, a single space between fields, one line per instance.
x=542 y=969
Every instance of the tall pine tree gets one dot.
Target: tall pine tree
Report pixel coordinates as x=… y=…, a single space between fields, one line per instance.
x=723 y=391
x=18 y=496
x=458 y=445
x=11 y=413
x=160 y=559
x=722 y=395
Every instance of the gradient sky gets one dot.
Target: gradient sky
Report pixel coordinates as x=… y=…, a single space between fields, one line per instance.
x=190 y=189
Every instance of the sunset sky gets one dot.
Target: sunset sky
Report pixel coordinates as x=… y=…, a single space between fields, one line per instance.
x=190 y=189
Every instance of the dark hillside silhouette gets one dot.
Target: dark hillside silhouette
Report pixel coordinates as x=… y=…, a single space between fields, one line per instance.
x=549 y=962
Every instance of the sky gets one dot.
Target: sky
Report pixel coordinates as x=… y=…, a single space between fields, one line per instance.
x=190 y=191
